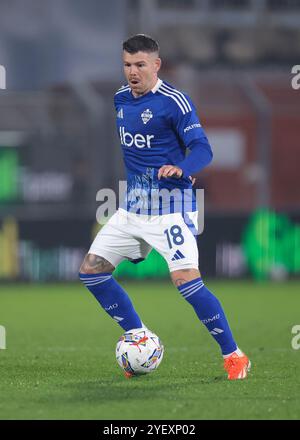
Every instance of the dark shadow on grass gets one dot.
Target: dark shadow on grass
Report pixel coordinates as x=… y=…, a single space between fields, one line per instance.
x=121 y=389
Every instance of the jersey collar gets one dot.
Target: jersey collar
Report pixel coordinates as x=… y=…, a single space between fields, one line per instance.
x=153 y=90
x=157 y=86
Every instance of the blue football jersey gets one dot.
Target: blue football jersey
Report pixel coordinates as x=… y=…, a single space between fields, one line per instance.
x=155 y=130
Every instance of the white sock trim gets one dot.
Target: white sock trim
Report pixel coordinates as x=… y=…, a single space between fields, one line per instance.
x=237 y=351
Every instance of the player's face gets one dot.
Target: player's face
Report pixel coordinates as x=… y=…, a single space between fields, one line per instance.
x=141 y=71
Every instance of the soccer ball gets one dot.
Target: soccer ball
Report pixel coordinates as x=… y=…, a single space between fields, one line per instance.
x=139 y=351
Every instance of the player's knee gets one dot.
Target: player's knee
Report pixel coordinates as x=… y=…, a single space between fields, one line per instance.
x=93 y=264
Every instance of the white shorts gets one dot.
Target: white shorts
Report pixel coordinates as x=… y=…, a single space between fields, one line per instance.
x=128 y=236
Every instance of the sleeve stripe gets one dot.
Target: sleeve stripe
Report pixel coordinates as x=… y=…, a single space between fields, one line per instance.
x=174 y=98
x=178 y=93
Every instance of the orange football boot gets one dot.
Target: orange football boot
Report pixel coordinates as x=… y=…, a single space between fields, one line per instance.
x=237 y=366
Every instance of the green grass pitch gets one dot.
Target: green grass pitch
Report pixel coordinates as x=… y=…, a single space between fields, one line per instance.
x=60 y=357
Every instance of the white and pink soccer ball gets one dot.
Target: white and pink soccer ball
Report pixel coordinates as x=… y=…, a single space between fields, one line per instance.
x=139 y=351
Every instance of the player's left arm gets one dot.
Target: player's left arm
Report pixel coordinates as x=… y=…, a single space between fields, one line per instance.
x=190 y=131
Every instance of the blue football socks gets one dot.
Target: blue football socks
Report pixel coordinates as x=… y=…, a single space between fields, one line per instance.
x=115 y=301
x=210 y=312
x=112 y=298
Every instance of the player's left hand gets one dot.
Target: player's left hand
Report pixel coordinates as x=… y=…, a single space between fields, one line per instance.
x=170 y=171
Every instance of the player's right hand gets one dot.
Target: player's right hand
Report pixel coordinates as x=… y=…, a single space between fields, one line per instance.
x=170 y=171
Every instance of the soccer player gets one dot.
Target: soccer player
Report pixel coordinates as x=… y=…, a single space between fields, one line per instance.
x=157 y=124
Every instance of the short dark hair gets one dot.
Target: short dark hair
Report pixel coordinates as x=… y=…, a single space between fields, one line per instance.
x=140 y=42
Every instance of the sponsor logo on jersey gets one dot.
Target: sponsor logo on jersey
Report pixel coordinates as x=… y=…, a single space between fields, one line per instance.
x=146 y=115
x=190 y=127
x=138 y=140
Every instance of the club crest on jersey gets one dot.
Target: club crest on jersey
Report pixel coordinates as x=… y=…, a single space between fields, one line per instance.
x=146 y=115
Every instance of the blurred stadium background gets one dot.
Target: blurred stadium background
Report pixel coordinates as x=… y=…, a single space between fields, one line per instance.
x=59 y=146
x=58 y=143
